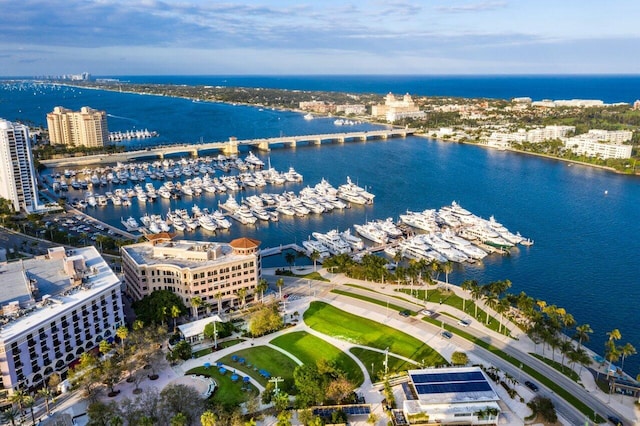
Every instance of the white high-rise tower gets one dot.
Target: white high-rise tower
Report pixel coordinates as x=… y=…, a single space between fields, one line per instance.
x=17 y=172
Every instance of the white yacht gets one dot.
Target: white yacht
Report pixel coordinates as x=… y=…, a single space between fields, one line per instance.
x=244 y=216
x=260 y=213
x=207 y=223
x=420 y=220
x=352 y=189
x=333 y=242
x=312 y=245
x=389 y=226
x=354 y=241
x=372 y=232
x=221 y=220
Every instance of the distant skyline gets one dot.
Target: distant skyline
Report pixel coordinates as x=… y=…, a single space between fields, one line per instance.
x=287 y=37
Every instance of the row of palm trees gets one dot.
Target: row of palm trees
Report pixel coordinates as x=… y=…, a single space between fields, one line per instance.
x=21 y=400
x=241 y=294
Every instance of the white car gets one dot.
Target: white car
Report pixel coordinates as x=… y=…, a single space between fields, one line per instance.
x=426 y=312
x=464 y=322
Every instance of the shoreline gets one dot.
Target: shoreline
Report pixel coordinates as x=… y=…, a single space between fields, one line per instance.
x=535 y=154
x=361 y=118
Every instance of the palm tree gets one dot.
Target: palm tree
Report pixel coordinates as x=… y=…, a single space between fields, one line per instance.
x=280 y=283
x=18 y=397
x=290 y=258
x=219 y=298
x=46 y=393
x=447 y=267
x=467 y=285
x=567 y=322
x=208 y=418
x=501 y=307
x=261 y=287
x=29 y=402
x=566 y=347
x=314 y=256
x=196 y=302
x=122 y=332
x=491 y=300
x=242 y=294
x=612 y=353
x=582 y=333
x=476 y=294
x=175 y=313
x=11 y=415
x=627 y=350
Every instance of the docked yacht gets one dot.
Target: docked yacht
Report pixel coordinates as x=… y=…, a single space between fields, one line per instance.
x=206 y=222
x=333 y=242
x=244 y=216
x=354 y=241
x=372 y=232
x=312 y=245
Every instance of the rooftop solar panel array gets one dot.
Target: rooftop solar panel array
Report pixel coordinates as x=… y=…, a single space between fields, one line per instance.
x=351 y=410
x=457 y=387
x=462 y=376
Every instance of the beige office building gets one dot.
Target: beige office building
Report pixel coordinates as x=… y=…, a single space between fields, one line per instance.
x=87 y=127
x=397 y=109
x=193 y=268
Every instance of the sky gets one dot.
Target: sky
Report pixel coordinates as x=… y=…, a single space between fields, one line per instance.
x=287 y=37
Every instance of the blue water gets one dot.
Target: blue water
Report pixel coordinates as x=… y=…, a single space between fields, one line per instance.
x=619 y=88
x=585 y=256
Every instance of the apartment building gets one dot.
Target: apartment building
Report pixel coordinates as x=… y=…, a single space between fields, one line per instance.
x=209 y=270
x=54 y=308
x=17 y=173
x=87 y=127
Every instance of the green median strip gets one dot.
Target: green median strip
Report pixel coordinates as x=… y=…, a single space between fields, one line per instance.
x=374 y=301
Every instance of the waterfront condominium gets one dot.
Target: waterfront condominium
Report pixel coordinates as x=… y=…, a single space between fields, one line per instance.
x=216 y=272
x=54 y=308
x=87 y=127
x=17 y=174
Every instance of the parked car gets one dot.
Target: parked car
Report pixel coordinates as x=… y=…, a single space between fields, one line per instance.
x=531 y=386
x=446 y=334
x=616 y=421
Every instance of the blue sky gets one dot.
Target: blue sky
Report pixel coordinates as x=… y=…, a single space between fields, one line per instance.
x=142 y=37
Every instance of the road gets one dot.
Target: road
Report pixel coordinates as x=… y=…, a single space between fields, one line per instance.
x=508 y=345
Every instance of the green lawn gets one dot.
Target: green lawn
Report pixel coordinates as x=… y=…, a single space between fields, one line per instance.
x=221 y=345
x=309 y=349
x=264 y=358
x=564 y=369
x=343 y=325
x=376 y=301
x=376 y=359
x=227 y=393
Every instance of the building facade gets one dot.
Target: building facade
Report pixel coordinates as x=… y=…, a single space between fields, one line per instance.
x=54 y=308
x=17 y=173
x=397 y=109
x=215 y=272
x=87 y=127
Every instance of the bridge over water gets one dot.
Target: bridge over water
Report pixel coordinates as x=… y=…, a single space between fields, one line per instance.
x=230 y=147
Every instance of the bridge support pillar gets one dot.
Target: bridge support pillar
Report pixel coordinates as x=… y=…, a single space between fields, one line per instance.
x=292 y=144
x=264 y=146
x=363 y=138
x=317 y=141
x=340 y=140
x=230 y=148
x=161 y=155
x=194 y=153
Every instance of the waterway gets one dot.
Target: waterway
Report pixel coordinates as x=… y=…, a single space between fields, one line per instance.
x=584 y=221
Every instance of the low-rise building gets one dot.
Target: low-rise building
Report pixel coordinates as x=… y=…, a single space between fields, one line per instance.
x=54 y=308
x=355 y=109
x=592 y=148
x=451 y=396
x=213 y=271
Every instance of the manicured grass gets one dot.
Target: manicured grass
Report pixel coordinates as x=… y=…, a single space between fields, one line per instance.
x=567 y=371
x=563 y=393
x=264 y=358
x=309 y=349
x=227 y=393
x=369 y=358
x=374 y=301
x=343 y=325
x=311 y=275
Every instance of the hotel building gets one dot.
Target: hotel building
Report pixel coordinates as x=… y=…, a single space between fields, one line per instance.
x=451 y=396
x=192 y=268
x=17 y=174
x=54 y=308
x=602 y=143
x=393 y=109
x=87 y=127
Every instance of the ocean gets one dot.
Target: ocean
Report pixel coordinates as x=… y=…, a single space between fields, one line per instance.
x=584 y=220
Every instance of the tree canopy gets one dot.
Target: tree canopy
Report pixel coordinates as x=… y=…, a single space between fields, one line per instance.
x=156 y=308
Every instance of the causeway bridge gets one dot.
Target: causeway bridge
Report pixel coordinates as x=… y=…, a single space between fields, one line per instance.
x=230 y=147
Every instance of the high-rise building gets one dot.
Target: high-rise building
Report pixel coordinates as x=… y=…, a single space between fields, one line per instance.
x=87 y=127
x=52 y=309
x=215 y=272
x=17 y=174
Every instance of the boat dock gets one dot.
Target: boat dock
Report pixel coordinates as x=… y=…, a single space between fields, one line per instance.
x=271 y=251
